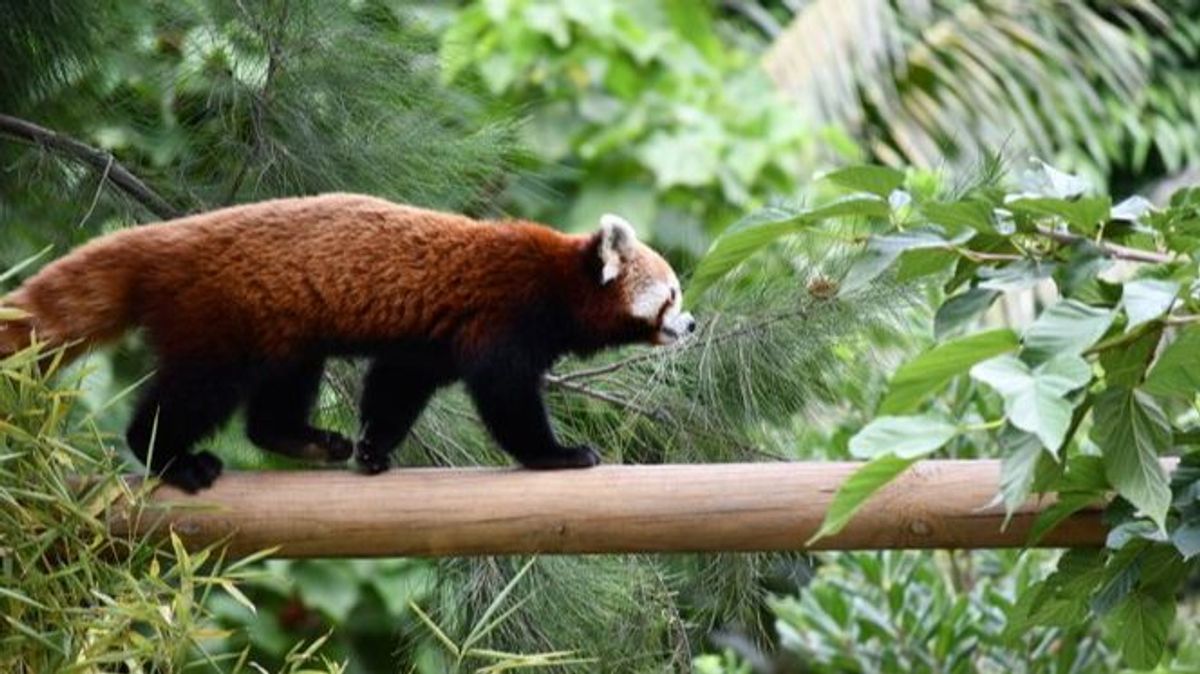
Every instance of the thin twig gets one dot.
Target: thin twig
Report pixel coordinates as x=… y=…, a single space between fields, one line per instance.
x=1111 y=249
x=581 y=389
x=96 y=196
x=117 y=174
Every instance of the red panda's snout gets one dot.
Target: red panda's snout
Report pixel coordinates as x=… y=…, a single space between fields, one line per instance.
x=650 y=289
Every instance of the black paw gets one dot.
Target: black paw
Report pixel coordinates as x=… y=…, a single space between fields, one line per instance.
x=332 y=447
x=567 y=457
x=371 y=462
x=192 y=472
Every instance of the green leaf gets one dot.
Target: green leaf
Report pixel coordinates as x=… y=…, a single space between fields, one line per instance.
x=1034 y=399
x=1177 y=372
x=1067 y=327
x=1140 y=625
x=1019 y=468
x=1061 y=599
x=857 y=489
x=1186 y=539
x=331 y=589
x=959 y=311
x=973 y=213
x=1147 y=299
x=1132 y=431
x=1064 y=506
x=753 y=233
x=1084 y=214
x=879 y=180
x=883 y=250
x=1125 y=366
x=1018 y=275
x=906 y=437
x=929 y=371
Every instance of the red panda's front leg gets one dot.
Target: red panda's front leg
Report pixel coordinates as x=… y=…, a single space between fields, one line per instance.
x=508 y=395
x=394 y=393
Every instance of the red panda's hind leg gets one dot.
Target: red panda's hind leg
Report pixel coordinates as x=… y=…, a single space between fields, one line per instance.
x=182 y=405
x=278 y=411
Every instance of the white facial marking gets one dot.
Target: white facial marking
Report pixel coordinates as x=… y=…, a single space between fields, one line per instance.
x=650 y=300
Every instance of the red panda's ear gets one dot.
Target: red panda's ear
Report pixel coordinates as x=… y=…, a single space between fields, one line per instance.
x=616 y=237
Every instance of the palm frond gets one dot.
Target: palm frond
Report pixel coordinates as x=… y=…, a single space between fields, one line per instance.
x=923 y=81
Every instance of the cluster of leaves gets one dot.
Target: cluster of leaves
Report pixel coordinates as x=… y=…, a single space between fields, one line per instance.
x=904 y=611
x=1083 y=402
x=73 y=595
x=652 y=115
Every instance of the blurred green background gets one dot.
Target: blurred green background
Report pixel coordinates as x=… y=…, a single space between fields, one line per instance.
x=683 y=117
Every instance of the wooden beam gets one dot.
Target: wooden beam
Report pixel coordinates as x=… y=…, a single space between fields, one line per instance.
x=608 y=509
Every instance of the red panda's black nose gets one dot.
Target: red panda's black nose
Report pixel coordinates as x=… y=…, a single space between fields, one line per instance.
x=691 y=325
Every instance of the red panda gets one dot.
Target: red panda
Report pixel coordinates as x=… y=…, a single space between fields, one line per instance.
x=244 y=305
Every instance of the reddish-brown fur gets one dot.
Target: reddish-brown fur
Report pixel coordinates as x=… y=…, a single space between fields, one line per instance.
x=273 y=277
x=244 y=305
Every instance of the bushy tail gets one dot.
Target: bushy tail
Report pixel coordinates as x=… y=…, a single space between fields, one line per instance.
x=78 y=301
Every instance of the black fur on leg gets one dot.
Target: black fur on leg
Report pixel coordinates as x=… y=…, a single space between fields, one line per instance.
x=395 y=391
x=506 y=388
x=278 y=410
x=183 y=404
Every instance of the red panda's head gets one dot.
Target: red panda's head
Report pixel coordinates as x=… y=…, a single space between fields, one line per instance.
x=644 y=285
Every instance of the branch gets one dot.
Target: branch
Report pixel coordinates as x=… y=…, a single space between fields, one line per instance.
x=100 y=160
x=607 y=509
x=1111 y=249
x=655 y=414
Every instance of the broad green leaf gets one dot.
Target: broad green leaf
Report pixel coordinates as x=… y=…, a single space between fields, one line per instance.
x=915 y=264
x=754 y=233
x=972 y=213
x=1147 y=299
x=1132 y=209
x=1083 y=215
x=1132 y=431
x=1177 y=372
x=883 y=250
x=1067 y=327
x=857 y=489
x=1035 y=398
x=1061 y=599
x=1186 y=539
x=906 y=437
x=1064 y=506
x=1140 y=624
x=1125 y=366
x=1042 y=179
x=959 y=311
x=1018 y=275
x=1019 y=466
x=879 y=180
x=931 y=370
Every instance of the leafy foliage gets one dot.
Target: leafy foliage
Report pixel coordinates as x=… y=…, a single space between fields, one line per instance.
x=897 y=611
x=73 y=595
x=647 y=112
x=1088 y=361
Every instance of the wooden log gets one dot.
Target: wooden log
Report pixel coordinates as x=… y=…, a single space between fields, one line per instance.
x=608 y=509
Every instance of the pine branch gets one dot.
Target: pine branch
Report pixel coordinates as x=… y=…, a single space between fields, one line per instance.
x=100 y=160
